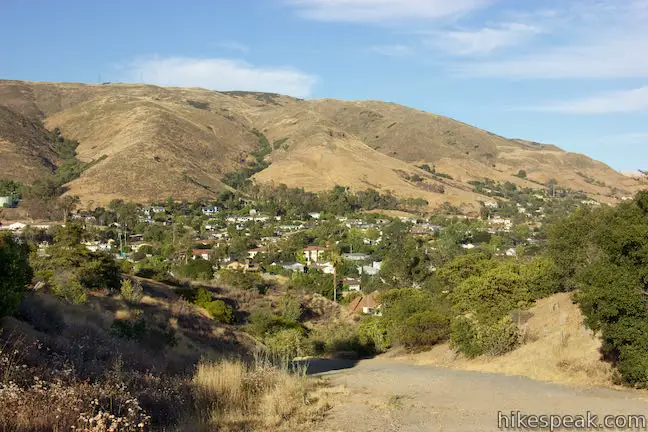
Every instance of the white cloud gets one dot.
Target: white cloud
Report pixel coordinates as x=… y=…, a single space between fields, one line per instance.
x=380 y=11
x=484 y=40
x=220 y=74
x=234 y=46
x=635 y=100
x=392 y=50
x=587 y=39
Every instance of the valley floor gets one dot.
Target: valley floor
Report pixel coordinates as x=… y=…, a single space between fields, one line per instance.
x=391 y=395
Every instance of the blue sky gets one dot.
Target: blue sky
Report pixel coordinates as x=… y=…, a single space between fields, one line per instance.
x=570 y=72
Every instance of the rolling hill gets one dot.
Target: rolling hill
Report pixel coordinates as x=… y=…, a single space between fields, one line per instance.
x=153 y=142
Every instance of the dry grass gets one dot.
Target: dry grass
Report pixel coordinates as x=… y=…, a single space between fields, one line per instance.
x=156 y=140
x=558 y=348
x=234 y=396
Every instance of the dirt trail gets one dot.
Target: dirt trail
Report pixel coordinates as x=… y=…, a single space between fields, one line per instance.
x=388 y=395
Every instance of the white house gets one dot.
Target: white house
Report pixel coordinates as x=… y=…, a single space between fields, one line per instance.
x=315 y=215
x=208 y=211
x=314 y=253
x=294 y=267
x=352 y=283
x=371 y=270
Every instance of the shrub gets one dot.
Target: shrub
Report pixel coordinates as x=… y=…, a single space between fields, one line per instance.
x=473 y=338
x=373 y=332
x=424 y=329
x=464 y=337
x=131 y=292
x=198 y=269
x=500 y=338
x=287 y=343
x=67 y=286
x=244 y=281
x=220 y=311
x=338 y=337
x=15 y=273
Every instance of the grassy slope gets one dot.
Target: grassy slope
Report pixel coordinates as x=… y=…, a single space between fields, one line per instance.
x=173 y=141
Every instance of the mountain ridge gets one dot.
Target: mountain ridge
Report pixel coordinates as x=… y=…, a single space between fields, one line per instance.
x=157 y=142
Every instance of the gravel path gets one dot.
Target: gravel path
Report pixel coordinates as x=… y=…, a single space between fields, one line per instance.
x=388 y=395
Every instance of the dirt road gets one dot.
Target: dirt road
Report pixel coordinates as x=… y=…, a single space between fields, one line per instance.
x=388 y=395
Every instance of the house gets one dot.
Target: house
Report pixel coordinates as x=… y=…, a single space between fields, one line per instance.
x=355 y=257
x=94 y=246
x=208 y=211
x=256 y=251
x=200 y=253
x=491 y=204
x=314 y=253
x=294 y=267
x=324 y=267
x=315 y=215
x=247 y=266
x=468 y=246
x=367 y=305
x=352 y=283
x=371 y=270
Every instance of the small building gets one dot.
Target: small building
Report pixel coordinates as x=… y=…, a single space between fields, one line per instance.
x=353 y=284
x=355 y=257
x=200 y=253
x=315 y=215
x=324 y=267
x=252 y=253
x=209 y=211
x=371 y=270
x=294 y=267
x=314 y=254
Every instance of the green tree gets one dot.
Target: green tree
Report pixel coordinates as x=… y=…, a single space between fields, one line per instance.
x=15 y=273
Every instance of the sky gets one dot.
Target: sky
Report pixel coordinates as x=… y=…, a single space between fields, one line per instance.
x=568 y=72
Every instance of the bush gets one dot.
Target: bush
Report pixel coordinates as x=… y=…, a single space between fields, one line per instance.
x=220 y=311
x=338 y=337
x=373 y=332
x=67 y=286
x=287 y=343
x=424 y=329
x=131 y=292
x=198 y=269
x=15 y=273
x=473 y=338
x=244 y=281
x=464 y=337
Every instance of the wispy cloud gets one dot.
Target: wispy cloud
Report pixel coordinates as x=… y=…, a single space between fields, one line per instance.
x=233 y=46
x=219 y=74
x=383 y=11
x=484 y=40
x=625 y=101
x=588 y=39
x=395 y=50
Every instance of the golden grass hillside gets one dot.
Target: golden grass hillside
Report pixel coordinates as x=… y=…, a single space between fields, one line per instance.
x=558 y=348
x=153 y=142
